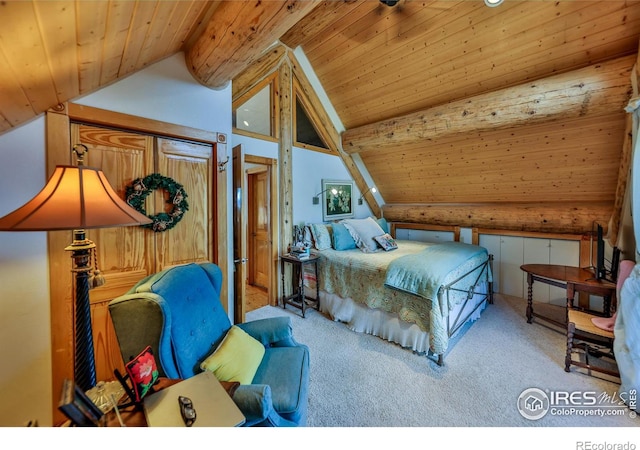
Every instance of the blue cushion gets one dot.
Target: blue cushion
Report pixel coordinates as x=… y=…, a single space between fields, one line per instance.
x=342 y=239
x=191 y=297
x=286 y=370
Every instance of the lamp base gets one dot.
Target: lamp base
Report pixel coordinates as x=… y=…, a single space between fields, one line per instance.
x=84 y=368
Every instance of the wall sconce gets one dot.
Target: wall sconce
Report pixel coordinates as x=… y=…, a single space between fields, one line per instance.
x=316 y=198
x=372 y=189
x=493 y=3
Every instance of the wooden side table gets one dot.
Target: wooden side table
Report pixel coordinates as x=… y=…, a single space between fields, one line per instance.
x=298 y=298
x=573 y=279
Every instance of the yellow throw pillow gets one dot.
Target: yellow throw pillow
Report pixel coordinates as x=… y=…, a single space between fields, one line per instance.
x=237 y=357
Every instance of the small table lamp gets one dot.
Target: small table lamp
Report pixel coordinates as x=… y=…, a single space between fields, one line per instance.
x=76 y=198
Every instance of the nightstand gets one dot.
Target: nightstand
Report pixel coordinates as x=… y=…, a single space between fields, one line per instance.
x=298 y=298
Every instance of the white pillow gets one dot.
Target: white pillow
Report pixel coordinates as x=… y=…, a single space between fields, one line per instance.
x=321 y=235
x=364 y=232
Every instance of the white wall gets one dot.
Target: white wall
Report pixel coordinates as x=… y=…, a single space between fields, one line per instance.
x=164 y=91
x=25 y=372
x=309 y=168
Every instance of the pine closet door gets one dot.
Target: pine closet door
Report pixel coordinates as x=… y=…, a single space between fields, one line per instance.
x=191 y=240
x=127 y=254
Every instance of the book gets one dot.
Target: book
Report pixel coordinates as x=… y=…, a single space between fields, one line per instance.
x=300 y=256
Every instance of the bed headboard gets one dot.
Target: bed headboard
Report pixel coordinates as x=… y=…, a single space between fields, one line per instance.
x=393 y=226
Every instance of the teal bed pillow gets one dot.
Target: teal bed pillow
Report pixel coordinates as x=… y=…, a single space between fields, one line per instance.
x=342 y=239
x=383 y=224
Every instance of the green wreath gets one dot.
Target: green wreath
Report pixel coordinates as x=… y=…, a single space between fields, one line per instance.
x=140 y=188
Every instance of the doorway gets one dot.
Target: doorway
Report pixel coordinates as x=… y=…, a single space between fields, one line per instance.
x=258 y=227
x=255 y=232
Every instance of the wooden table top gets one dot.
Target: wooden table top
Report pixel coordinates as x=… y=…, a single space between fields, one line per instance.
x=134 y=416
x=569 y=274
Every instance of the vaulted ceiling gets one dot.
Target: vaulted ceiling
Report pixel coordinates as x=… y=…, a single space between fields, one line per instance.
x=447 y=103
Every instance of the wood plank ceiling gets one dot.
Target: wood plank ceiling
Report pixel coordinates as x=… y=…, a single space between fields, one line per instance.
x=464 y=114
x=389 y=72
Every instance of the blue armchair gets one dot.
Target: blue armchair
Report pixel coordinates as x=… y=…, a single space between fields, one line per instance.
x=178 y=312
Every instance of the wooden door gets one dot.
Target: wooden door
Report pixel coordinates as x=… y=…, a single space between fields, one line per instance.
x=124 y=254
x=259 y=227
x=239 y=235
x=127 y=254
x=191 y=240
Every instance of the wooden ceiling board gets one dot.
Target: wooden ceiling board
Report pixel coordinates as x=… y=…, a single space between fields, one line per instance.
x=334 y=14
x=538 y=163
x=57 y=20
x=27 y=57
x=90 y=28
x=15 y=108
x=139 y=29
x=116 y=38
x=453 y=76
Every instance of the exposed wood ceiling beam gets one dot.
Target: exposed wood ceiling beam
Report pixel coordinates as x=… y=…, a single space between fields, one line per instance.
x=264 y=66
x=597 y=89
x=568 y=217
x=240 y=33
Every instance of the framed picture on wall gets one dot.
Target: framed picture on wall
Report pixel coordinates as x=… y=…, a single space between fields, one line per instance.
x=337 y=200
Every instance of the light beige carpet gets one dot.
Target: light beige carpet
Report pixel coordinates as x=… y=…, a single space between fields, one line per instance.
x=358 y=380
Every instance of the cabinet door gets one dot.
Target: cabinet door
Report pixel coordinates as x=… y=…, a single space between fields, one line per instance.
x=564 y=253
x=511 y=258
x=492 y=243
x=536 y=251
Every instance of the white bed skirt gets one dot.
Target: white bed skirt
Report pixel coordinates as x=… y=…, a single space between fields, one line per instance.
x=385 y=325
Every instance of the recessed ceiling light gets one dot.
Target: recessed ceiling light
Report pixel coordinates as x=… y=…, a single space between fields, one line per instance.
x=493 y=3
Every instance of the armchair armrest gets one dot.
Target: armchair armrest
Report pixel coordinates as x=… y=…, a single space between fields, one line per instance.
x=254 y=401
x=271 y=332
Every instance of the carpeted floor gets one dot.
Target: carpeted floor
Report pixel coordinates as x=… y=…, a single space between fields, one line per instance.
x=359 y=380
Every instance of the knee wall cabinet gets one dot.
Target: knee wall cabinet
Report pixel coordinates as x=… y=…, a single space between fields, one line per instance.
x=510 y=251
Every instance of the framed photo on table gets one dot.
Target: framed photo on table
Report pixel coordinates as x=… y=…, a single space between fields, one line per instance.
x=337 y=200
x=79 y=408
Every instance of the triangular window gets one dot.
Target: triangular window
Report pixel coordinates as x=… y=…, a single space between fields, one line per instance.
x=306 y=132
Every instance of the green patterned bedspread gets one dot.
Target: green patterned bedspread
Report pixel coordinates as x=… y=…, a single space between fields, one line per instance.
x=361 y=277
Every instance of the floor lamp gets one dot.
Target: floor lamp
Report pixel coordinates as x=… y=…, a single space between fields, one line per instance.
x=76 y=198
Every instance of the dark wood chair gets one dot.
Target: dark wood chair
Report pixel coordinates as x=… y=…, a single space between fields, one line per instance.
x=589 y=341
x=590 y=336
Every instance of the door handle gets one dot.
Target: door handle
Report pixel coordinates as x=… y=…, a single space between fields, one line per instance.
x=240 y=261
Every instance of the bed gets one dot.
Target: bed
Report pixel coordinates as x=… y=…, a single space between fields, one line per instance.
x=419 y=295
